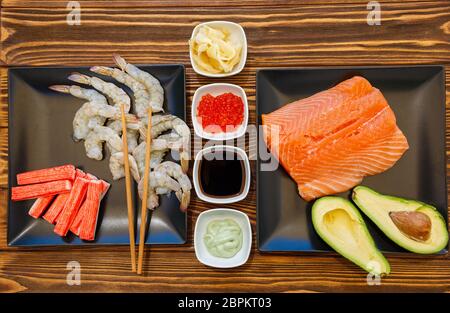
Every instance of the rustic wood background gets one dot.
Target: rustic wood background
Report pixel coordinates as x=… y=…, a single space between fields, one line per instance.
x=280 y=34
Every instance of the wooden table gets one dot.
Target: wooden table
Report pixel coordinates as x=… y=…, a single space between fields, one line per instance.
x=280 y=34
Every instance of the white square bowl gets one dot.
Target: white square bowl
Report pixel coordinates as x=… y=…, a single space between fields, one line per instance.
x=235 y=30
x=215 y=90
x=201 y=252
x=221 y=200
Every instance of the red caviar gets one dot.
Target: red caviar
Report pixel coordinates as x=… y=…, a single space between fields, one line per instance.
x=222 y=113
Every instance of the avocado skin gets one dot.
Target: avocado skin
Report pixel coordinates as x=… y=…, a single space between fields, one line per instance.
x=396 y=236
x=349 y=206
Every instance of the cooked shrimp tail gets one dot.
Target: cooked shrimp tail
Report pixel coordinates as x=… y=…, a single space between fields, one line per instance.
x=184 y=201
x=103 y=70
x=148 y=80
x=120 y=61
x=184 y=161
x=60 y=88
x=79 y=78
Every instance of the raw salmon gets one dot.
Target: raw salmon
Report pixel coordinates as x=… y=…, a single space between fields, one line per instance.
x=330 y=141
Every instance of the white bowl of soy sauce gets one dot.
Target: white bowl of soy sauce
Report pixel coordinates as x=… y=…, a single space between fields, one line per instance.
x=221 y=174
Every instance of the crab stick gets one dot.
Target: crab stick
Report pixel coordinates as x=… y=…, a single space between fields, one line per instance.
x=55 y=208
x=89 y=221
x=40 y=190
x=80 y=173
x=91 y=177
x=73 y=204
x=40 y=205
x=63 y=172
x=76 y=225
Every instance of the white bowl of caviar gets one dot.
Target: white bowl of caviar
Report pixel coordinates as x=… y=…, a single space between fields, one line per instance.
x=218 y=49
x=222 y=238
x=219 y=111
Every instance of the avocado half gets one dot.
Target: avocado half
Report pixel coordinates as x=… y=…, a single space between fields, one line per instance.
x=341 y=226
x=413 y=225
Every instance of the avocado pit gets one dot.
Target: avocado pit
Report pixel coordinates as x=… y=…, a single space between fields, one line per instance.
x=416 y=225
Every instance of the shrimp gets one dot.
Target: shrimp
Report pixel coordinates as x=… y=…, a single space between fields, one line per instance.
x=83 y=123
x=116 y=166
x=166 y=177
x=84 y=119
x=162 y=123
x=171 y=138
x=153 y=85
x=132 y=133
x=118 y=95
x=152 y=198
x=142 y=97
x=156 y=156
x=159 y=183
x=94 y=140
x=98 y=105
x=141 y=125
x=178 y=143
x=88 y=94
x=175 y=171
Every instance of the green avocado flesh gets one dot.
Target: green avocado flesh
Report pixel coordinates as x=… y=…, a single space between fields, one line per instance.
x=380 y=209
x=340 y=225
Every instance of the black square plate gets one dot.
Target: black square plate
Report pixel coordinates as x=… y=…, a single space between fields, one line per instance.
x=40 y=136
x=417 y=96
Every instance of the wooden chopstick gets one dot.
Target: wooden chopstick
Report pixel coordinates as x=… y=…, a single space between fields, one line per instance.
x=128 y=190
x=145 y=195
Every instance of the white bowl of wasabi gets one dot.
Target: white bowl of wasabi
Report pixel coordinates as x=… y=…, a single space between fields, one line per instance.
x=216 y=234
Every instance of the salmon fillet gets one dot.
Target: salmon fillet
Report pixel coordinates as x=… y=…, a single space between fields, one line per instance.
x=330 y=141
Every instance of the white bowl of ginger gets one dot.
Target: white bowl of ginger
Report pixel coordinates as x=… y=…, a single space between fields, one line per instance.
x=218 y=49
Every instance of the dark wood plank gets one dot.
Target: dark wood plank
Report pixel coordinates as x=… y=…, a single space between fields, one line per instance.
x=111 y=273
x=178 y=3
x=3 y=128
x=3 y=157
x=174 y=268
x=277 y=36
x=3 y=217
x=3 y=97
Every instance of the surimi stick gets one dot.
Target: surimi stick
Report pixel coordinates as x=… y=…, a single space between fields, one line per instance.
x=76 y=225
x=64 y=172
x=55 y=208
x=40 y=190
x=39 y=206
x=80 y=173
x=105 y=186
x=91 y=177
x=63 y=200
x=68 y=214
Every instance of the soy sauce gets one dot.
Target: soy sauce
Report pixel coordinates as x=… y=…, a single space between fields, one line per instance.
x=221 y=174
